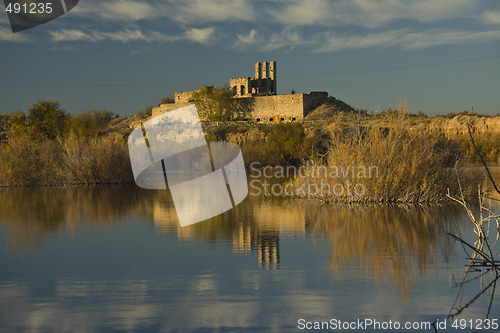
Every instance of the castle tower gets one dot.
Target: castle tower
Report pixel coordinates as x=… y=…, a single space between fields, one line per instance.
x=273 y=77
x=265 y=70
x=258 y=70
x=264 y=83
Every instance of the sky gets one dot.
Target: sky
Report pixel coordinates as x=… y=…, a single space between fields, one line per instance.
x=436 y=56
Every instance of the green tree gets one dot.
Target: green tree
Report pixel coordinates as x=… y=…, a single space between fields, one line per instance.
x=216 y=103
x=48 y=119
x=89 y=123
x=18 y=124
x=4 y=122
x=4 y=126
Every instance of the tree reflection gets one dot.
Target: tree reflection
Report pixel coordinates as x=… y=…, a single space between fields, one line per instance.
x=384 y=243
x=31 y=214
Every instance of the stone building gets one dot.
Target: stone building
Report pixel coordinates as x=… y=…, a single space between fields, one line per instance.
x=261 y=94
x=263 y=84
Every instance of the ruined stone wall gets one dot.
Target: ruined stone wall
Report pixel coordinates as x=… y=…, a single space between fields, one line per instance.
x=286 y=106
x=313 y=100
x=241 y=85
x=184 y=97
x=293 y=106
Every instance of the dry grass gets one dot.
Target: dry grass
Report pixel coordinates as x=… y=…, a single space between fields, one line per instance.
x=27 y=162
x=405 y=166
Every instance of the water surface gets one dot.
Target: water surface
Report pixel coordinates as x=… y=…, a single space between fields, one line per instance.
x=113 y=258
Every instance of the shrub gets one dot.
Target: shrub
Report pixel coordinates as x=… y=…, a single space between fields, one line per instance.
x=218 y=104
x=148 y=112
x=285 y=144
x=95 y=161
x=89 y=123
x=29 y=162
x=48 y=119
x=398 y=165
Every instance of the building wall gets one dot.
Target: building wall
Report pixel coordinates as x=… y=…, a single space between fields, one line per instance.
x=286 y=106
x=238 y=83
x=184 y=97
x=293 y=106
x=313 y=100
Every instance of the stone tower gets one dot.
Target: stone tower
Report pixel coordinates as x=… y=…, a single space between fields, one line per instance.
x=263 y=84
x=273 y=76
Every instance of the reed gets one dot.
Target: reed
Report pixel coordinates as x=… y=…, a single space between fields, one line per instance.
x=410 y=166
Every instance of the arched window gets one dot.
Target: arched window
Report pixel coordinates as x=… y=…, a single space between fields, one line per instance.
x=243 y=90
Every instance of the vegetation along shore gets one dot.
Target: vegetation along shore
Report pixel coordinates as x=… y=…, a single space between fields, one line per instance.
x=416 y=156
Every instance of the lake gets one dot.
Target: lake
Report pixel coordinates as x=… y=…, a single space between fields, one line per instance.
x=113 y=258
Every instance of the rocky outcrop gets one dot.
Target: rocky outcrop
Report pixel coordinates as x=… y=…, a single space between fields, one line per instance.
x=459 y=125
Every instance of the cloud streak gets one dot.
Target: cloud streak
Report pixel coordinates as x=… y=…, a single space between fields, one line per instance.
x=183 y=12
x=407 y=40
x=202 y=36
x=116 y=10
x=6 y=35
x=367 y=13
x=203 y=11
x=492 y=17
x=319 y=25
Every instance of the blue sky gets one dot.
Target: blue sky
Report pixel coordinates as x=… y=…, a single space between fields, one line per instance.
x=438 y=56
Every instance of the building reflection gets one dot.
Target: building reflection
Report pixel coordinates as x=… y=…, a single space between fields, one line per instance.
x=250 y=229
x=395 y=244
x=269 y=251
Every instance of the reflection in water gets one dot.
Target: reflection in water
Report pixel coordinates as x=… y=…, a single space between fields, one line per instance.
x=31 y=214
x=396 y=243
x=384 y=243
x=250 y=228
x=305 y=260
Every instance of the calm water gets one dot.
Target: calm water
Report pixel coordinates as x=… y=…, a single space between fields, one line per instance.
x=106 y=259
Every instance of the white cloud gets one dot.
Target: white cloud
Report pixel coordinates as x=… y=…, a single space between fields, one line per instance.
x=435 y=38
x=185 y=12
x=6 y=35
x=280 y=24
x=288 y=38
x=333 y=42
x=117 y=10
x=405 y=39
x=491 y=17
x=125 y=36
x=202 y=36
x=4 y=18
x=71 y=35
x=367 y=13
x=251 y=38
x=310 y=12
x=203 y=11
